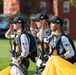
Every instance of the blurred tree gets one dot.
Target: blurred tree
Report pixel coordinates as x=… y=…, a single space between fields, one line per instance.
x=73 y=2
x=1 y=6
x=27 y=9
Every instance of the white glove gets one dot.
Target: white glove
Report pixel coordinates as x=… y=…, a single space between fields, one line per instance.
x=14 y=61
x=17 y=64
x=39 y=62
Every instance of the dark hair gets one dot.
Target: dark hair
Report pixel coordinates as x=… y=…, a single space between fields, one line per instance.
x=22 y=26
x=62 y=29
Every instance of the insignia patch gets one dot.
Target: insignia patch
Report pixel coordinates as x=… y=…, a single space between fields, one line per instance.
x=24 y=44
x=67 y=45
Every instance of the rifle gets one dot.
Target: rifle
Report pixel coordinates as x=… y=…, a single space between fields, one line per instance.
x=44 y=56
x=10 y=42
x=15 y=32
x=13 y=50
x=42 y=52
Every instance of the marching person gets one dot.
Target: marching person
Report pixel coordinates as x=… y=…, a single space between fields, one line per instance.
x=22 y=49
x=59 y=43
x=40 y=28
x=61 y=47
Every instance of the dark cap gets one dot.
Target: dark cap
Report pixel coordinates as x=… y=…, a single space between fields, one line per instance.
x=41 y=16
x=57 y=19
x=18 y=19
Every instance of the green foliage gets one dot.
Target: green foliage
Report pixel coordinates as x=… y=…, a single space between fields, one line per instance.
x=1 y=6
x=73 y=2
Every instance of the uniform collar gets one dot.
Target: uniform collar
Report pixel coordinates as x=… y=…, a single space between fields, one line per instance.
x=60 y=34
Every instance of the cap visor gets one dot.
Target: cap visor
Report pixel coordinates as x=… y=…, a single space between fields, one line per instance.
x=35 y=19
x=12 y=22
x=51 y=21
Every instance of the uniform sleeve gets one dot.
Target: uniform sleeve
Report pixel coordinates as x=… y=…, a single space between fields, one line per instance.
x=24 y=45
x=33 y=31
x=68 y=47
x=8 y=36
x=41 y=35
x=44 y=33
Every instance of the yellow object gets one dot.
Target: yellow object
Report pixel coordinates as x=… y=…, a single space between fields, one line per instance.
x=5 y=71
x=55 y=52
x=17 y=48
x=45 y=46
x=39 y=46
x=59 y=66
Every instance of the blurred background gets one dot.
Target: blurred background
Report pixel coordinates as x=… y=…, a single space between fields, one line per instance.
x=30 y=8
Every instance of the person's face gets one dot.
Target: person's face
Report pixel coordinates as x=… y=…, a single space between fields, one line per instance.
x=54 y=26
x=17 y=26
x=39 y=23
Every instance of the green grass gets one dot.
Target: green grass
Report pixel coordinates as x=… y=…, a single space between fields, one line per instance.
x=75 y=43
x=5 y=57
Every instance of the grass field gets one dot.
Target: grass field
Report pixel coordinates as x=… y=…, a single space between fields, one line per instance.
x=5 y=57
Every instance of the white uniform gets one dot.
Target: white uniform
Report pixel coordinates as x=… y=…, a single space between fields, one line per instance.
x=66 y=45
x=24 y=43
x=21 y=54
x=41 y=33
